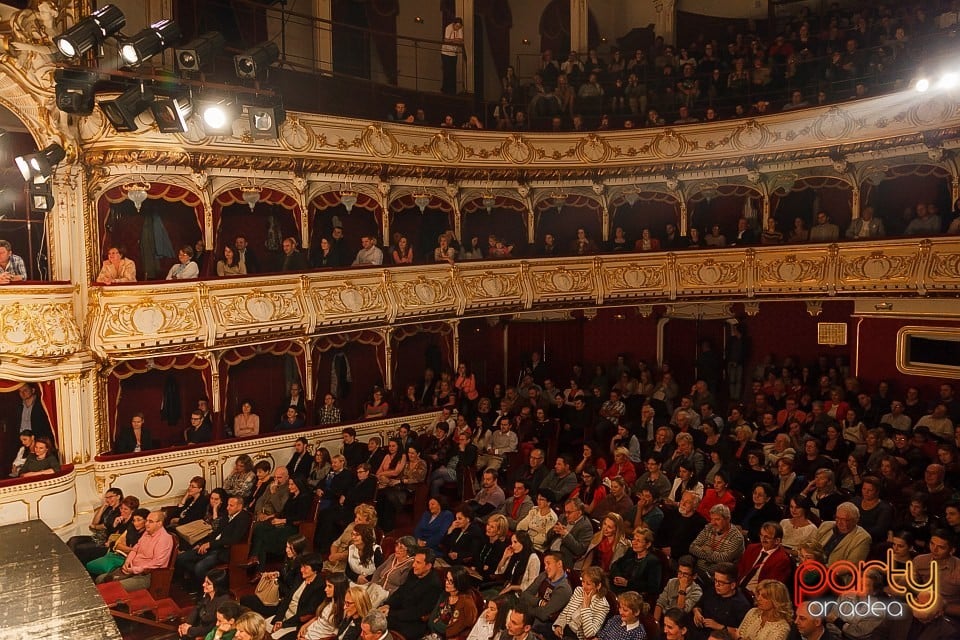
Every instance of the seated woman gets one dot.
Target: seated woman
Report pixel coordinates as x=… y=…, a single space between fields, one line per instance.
x=393 y=571
x=193 y=504
x=203 y=618
x=463 y=538
x=118 y=549
x=42 y=462
x=719 y=493
x=241 y=479
x=117 y=267
x=400 y=489
x=135 y=438
x=323 y=255
x=494 y=545
x=298 y=607
x=492 y=621
x=186 y=268
x=443 y=252
x=403 y=254
x=539 y=521
x=356 y=606
x=330 y=612
x=377 y=407
x=498 y=248
x=686 y=480
x=246 y=423
x=754 y=512
x=433 y=525
x=363 y=554
x=229 y=264
x=456 y=612
x=590 y=490
x=646 y=242
x=322 y=464
x=288 y=577
x=119 y=521
x=270 y=536
x=638 y=569
x=585 y=613
x=392 y=465
x=607 y=545
x=770 y=618
x=517 y=570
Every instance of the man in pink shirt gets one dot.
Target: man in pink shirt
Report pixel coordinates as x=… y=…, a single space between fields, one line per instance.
x=151 y=552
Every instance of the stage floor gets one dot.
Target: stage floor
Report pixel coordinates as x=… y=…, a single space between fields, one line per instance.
x=45 y=591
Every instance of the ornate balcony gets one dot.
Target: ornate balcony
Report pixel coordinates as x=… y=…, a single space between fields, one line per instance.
x=137 y=320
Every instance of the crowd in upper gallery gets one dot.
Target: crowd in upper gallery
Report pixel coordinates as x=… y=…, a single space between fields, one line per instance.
x=801 y=60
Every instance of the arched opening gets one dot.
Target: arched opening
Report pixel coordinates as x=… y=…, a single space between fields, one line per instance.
x=262 y=375
x=896 y=198
x=422 y=228
x=807 y=197
x=328 y=212
x=349 y=365
x=274 y=217
x=506 y=219
x=563 y=215
x=649 y=210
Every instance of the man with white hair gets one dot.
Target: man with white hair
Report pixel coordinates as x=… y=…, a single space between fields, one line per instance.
x=718 y=542
x=843 y=538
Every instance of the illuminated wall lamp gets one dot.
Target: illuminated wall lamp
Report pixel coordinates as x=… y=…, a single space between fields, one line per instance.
x=422 y=200
x=348 y=199
x=251 y=195
x=137 y=192
x=488 y=201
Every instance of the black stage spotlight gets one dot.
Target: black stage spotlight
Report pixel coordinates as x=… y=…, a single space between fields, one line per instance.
x=91 y=31
x=41 y=163
x=217 y=116
x=253 y=63
x=149 y=42
x=41 y=195
x=171 y=113
x=75 y=90
x=265 y=121
x=200 y=51
x=122 y=112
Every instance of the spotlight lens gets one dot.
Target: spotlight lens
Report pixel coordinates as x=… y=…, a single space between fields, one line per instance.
x=129 y=54
x=215 y=117
x=263 y=121
x=246 y=65
x=66 y=48
x=187 y=59
x=24 y=167
x=923 y=84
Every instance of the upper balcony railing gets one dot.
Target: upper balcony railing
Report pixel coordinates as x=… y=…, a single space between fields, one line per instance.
x=131 y=321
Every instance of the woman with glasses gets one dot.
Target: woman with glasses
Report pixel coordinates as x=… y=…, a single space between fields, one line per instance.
x=356 y=605
x=193 y=505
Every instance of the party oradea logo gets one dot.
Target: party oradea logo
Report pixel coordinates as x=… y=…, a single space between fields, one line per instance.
x=813 y=579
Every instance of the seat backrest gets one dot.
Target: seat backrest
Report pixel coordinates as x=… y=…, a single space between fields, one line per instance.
x=160 y=579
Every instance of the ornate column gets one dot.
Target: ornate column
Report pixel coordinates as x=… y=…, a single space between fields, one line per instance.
x=579 y=19
x=323 y=36
x=465 y=11
x=301 y=184
x=308 y=382
x=600 y=190
x=666 y=19
x=524 y=192
x=455 y=324
x=383 y=189
x=388 y=358
x=453 y=191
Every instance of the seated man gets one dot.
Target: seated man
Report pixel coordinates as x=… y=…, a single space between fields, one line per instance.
x=408 y=607
x=571 y=538
x=765 y=560
x=490 y=497
x=844 y=538
x=722 y=607
x=272 y=500
x=301 y=461
x=497 y=444
x=370 y=253
x=151 y=552
x=200 y=431
x=456 y=462
x=681 y=592
x=215 y=549
x=517 y=507
x=548 y=595
x=560 y=482
x=718 y=542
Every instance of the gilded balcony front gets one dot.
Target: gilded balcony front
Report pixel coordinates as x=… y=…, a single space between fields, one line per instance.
x=135 y=320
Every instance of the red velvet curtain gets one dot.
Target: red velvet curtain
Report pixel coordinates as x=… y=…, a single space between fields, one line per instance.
x=835 y=198
x=410 y=345
x=507 y=219
x=578 y=211
x=481 y=347
x=119 y=222
x=364 y=219
x=257 y=373
x=232 y=217
x=560 y=343
x=138 y=386
x=646 y=214
x=367 y=359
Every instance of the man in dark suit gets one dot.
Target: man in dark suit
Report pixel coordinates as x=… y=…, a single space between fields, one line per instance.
x=765 y=560
x=30 y=414
x=245 y=256
x=744 y=237
x=410 y=605
x=215 y=549
x=292 y=258
x=301 y=461
x=333 y=488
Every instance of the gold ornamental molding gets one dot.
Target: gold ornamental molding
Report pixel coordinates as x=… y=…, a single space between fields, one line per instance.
x=132 y=321
x=38 y=322
x=310 y=143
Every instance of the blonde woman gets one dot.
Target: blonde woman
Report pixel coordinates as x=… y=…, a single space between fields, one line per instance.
x=251 y=626
x=770 y=618
x=117 y=267
x=356 y=605
x=609 y=544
